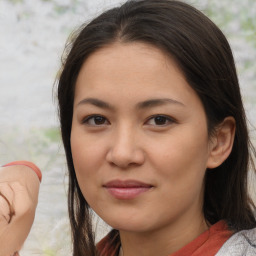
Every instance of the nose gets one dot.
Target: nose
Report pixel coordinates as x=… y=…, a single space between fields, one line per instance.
x=125 y=150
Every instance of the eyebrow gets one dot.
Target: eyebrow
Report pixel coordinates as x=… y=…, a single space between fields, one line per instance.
x=141 y=105
x=157 y=102
x=95 y=102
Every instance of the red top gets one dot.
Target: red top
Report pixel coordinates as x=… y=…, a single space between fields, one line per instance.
x=206 y=244
x=29 y=164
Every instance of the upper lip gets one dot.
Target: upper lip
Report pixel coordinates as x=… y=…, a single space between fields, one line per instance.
x=126 y=184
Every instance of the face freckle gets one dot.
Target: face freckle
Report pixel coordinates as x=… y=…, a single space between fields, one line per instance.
x=137 y=174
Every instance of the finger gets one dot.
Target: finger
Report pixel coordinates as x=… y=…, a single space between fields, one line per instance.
x=6 y=207
x=22 y=194
x=23 y=201
x=8 y=192
x=15 y=254
x=5 y=211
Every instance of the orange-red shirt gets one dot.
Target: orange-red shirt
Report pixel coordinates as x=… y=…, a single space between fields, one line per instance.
x=208 y=243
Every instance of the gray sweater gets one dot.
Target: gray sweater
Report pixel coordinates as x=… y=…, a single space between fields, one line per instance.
x=242 y=243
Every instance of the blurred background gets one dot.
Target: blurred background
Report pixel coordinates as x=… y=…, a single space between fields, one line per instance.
x=32 y=37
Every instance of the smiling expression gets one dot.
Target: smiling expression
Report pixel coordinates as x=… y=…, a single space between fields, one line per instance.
x=139 y=139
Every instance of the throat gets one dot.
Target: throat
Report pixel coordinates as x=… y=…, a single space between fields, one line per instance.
x=158 y=243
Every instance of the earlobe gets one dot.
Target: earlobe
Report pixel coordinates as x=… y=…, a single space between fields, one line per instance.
x=222 y=142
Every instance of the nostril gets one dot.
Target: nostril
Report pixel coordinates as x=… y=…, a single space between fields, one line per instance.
x=125 y=158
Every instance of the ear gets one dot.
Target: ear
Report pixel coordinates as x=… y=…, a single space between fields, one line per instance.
x=221 y=142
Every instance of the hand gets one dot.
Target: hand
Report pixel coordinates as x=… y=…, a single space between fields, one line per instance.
x=19 y=188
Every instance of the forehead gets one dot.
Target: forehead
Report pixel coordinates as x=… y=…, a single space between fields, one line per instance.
x=131 y=70
x=118 y=59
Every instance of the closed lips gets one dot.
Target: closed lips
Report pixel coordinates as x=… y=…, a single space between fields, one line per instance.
x=128 y=189
x=126 y=184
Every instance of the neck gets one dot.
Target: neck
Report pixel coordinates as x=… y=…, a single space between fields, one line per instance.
x=163 y=241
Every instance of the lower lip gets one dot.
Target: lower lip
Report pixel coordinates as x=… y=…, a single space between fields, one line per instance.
x=127 y=193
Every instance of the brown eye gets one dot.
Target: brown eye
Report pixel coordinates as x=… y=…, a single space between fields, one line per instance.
x=96 y=120
x=160 y=120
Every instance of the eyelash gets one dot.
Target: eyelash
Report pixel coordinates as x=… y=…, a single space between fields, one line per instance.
x=93 y=117
x=103 y=121
x=167 y=119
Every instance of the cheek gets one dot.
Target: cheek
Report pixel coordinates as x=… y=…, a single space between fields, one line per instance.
x=85 y=149
x=182 y=158
x=180 y=174
x=85 y=168
x=86 y=158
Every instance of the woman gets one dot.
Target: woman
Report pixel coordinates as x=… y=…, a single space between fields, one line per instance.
x=154 y=132
x=155 y=135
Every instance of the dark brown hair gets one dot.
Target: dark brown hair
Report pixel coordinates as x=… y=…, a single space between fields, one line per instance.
x=204 y=56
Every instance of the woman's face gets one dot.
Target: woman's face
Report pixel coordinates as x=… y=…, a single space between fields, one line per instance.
x=139 y=139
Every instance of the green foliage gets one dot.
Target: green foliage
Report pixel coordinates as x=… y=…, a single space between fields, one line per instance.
x=60 y=9
x=248 y=24
x=53 y=134
x=16 y=1
x=49 y=252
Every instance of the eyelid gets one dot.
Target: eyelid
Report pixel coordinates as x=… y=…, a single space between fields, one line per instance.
x=86 y=119
x=170 y=119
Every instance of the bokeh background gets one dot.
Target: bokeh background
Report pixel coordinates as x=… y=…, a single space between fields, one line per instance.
x=32 y=37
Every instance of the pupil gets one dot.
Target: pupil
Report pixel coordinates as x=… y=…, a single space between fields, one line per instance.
x=160 y=120
x=99 y=120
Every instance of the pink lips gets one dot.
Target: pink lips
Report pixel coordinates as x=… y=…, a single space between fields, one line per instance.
x=127 y=189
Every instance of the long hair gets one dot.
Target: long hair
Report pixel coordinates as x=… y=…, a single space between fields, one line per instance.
x=204 y=57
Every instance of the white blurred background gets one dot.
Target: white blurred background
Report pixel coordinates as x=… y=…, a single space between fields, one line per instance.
x=32 y=37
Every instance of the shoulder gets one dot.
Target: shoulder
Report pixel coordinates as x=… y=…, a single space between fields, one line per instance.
x=242 y=243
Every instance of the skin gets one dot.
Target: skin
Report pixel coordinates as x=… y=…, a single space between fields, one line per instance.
x=20 y=186
x=127 y=141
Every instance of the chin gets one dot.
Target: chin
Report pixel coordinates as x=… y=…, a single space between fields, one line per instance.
x=128 y=225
